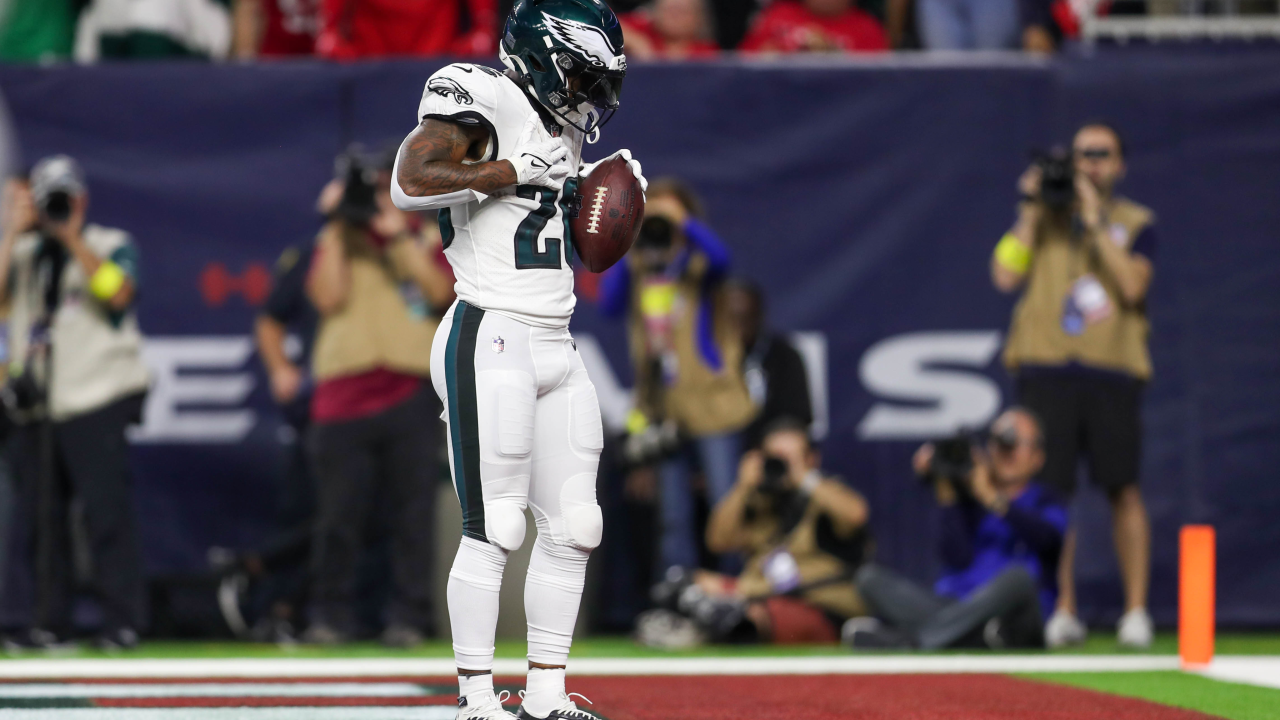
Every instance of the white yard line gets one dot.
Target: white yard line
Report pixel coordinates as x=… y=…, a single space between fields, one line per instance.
x=138 y=690
x=1263 y=670
x=430 y=712
x=54 y=668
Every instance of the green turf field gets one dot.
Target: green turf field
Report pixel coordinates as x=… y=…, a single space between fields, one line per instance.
x=1099 y=644
x=1228 y=700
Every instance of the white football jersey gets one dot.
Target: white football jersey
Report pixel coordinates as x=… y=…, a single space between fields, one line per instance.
x=510 y=252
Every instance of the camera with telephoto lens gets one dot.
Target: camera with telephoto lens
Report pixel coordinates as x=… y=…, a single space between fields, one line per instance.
x=56 y=206
x=774 y=481
x=1057 y=179
x=952 y=461
x=657 y=235
x=359 y=173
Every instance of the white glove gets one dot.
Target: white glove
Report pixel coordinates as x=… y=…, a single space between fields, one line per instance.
x=586 y=168
x=539 y=159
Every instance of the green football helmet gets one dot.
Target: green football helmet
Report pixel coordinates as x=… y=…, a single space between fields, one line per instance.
x=568 y=56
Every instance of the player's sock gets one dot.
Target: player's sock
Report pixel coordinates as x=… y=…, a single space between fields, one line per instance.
x=552 y=593
x=475 y=688
x=474 y=582
x=543 y=691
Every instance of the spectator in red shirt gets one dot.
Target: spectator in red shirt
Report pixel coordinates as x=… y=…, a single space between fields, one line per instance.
x=274 y=28
x=670 y=30
x=790 y=26
x=352 y=29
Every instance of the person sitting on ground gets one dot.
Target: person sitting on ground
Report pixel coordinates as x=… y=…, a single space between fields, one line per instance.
x=804 y=535
x=1000 y=540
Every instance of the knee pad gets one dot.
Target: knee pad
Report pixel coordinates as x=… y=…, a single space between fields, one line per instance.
x=583 y=522
x=504 y=524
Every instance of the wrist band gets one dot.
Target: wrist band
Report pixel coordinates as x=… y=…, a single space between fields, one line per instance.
x=1012 y=255
x=107 y=280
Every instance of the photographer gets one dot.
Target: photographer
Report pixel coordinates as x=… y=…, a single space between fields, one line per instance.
x=76 y=381
x=1077 y=347
x=691 y=396
x=803 y=533
x=1001 y=535
x=375 y=429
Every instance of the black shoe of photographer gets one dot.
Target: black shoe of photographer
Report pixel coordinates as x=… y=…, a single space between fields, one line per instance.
x=36 y=640
x=399 y=635
x=868 y=633
x=118 y=640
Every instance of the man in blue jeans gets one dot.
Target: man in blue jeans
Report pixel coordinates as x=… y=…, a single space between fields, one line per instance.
x=1000 y=539
x=687 y=355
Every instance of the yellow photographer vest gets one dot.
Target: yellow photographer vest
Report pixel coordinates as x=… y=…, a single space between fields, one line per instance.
x=1115 y=337
x=376 y=327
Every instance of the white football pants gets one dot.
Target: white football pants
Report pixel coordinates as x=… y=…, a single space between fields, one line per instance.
x=524 y=430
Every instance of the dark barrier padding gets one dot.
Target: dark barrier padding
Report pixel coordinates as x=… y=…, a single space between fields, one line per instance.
x=866 y=198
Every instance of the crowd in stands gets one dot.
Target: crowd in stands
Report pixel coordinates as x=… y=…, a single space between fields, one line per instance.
x=92 y=30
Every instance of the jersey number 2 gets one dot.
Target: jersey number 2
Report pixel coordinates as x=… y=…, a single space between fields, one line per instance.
x=527 y=255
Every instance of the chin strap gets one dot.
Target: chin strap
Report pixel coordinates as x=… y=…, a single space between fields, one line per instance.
x=594 y=137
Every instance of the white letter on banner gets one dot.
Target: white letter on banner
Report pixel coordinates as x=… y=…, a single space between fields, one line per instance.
x=947 y=400
x=174 y=387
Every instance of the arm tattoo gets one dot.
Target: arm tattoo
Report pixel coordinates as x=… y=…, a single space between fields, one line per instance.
x=431 y=162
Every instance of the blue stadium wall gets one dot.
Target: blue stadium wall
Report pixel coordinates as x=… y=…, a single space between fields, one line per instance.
x=865 y=197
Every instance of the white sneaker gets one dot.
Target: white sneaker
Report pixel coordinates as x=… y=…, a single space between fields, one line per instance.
x=484 y=706
x=1135 y=629
x=1064 y=629
x=666 y=630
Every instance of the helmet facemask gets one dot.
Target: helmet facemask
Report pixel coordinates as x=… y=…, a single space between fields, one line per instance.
x=591 y=94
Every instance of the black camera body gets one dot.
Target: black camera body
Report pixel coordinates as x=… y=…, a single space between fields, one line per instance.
x=1057 y=179
x=657 y=235
x=359 y=173
x=56 y=206
x=952 y=462
x=774 y=481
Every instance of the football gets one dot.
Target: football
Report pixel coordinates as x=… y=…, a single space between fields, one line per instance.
x=609 y=218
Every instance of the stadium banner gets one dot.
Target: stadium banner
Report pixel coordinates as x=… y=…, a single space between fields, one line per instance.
x=865 y=196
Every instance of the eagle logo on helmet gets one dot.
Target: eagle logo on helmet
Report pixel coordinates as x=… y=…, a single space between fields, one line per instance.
x=448 y=88
x=589 y=42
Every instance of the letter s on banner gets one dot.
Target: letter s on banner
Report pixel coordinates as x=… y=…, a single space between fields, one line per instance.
x=945 y=400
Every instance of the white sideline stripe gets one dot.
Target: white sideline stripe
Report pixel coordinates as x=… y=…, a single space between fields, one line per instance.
x=138 y=690
x=54 y=668
x=430 y=712
x=1263 y=671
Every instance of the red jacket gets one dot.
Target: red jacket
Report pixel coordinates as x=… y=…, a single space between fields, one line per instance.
x=641 y=24
x=386 y=28
x=788 y=26
x=290 y=27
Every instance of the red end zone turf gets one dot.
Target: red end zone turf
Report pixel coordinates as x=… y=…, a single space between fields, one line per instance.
x=860 y=697
x=772 y=697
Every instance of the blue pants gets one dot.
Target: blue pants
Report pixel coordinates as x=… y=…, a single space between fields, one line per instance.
x=969 y=24
x=718 y=456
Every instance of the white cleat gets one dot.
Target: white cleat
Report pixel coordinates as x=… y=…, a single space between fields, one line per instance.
x=566 y=710
x=1135 y=629
x=1064 y=629
x=484 y=706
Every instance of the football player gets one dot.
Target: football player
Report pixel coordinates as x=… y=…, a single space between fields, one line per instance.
x=499 y=153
